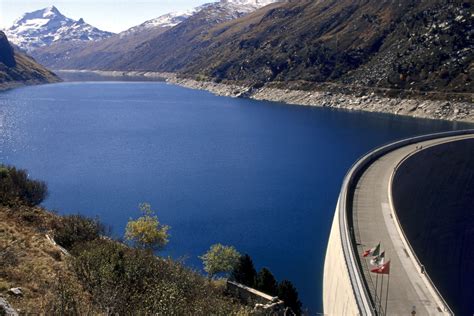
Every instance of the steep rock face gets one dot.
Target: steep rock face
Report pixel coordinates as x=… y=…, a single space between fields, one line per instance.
x=151 y=45
x=18 y=69
x=6 y=52
x=47 y=26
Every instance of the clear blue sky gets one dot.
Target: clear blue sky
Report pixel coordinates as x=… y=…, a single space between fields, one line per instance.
x=109 y=15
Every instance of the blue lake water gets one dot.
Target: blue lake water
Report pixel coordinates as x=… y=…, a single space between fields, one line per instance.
x=261 y=176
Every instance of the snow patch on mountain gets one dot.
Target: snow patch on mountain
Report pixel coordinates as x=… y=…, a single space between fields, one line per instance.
x=164 y=21
x=46 y=26
x=232 y=8
x=226 y=10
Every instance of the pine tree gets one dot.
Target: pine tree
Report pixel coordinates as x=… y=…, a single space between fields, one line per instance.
x=266 y=282
x=244 y=272
x=288 y=294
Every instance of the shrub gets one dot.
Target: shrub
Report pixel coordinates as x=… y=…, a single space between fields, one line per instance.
x=146 y=232
x=16 y=188
x=129 y=281
x=73 y=229
x=66 y=297
x=220 y=259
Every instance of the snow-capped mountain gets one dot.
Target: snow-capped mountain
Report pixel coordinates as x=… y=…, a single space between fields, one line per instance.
x=233 y=8
x=226 y=10
x=246 y=6
x=46 y=26
x=164 y=21
x=157 y=44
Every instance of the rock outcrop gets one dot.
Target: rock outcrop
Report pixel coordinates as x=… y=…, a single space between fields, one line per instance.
x=18 y=69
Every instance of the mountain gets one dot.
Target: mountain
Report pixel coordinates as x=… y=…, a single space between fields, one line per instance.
x=170 y=32
x=17 y=68
x=82 y=54
x=165 y=21
x=404 y=44
x=418 y=46
x=47 y=26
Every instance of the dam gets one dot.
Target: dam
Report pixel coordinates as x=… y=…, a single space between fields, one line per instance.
x=414 y=198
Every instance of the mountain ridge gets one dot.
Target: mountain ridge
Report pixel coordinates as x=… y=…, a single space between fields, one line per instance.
x=108 y=53
x=47 y=26
x=402 y=45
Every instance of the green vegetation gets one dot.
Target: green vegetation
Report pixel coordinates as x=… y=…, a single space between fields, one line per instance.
x=16 y=188
x=74 y=229
x=146 y=232
x=244 y=272
x=133 y=281
x=266 y=282
x=104 y=276
x=101 y=275
x=220 y=259
x=287 y=292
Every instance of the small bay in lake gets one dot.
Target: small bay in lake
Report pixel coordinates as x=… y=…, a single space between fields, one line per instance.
x=261 y=176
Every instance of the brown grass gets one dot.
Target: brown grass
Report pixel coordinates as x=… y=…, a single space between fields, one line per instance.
x=30 y=261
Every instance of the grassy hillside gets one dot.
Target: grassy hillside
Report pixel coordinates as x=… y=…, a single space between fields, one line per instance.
x=94 y=274
x=19 y=69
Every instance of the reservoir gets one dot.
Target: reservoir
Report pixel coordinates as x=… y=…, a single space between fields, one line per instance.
x=261 y=176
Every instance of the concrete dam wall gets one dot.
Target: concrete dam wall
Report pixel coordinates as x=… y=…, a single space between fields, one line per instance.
x=415 y=197
x=433 y=195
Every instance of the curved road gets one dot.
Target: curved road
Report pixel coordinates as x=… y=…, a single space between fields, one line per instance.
x=374 y=221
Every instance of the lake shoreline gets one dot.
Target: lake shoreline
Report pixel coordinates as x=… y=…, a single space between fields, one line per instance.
x=5 y=86
x=460 y=111
x=228 y=170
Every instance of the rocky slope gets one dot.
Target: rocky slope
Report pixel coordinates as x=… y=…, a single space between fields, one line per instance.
x=47 y=26
x=392 y=44
x=363 y=100
x=18 y=69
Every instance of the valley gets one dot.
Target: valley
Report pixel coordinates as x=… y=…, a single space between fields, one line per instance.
x=324 y=51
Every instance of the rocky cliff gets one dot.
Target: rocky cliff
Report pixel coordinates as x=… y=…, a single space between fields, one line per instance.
x=18 y=69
